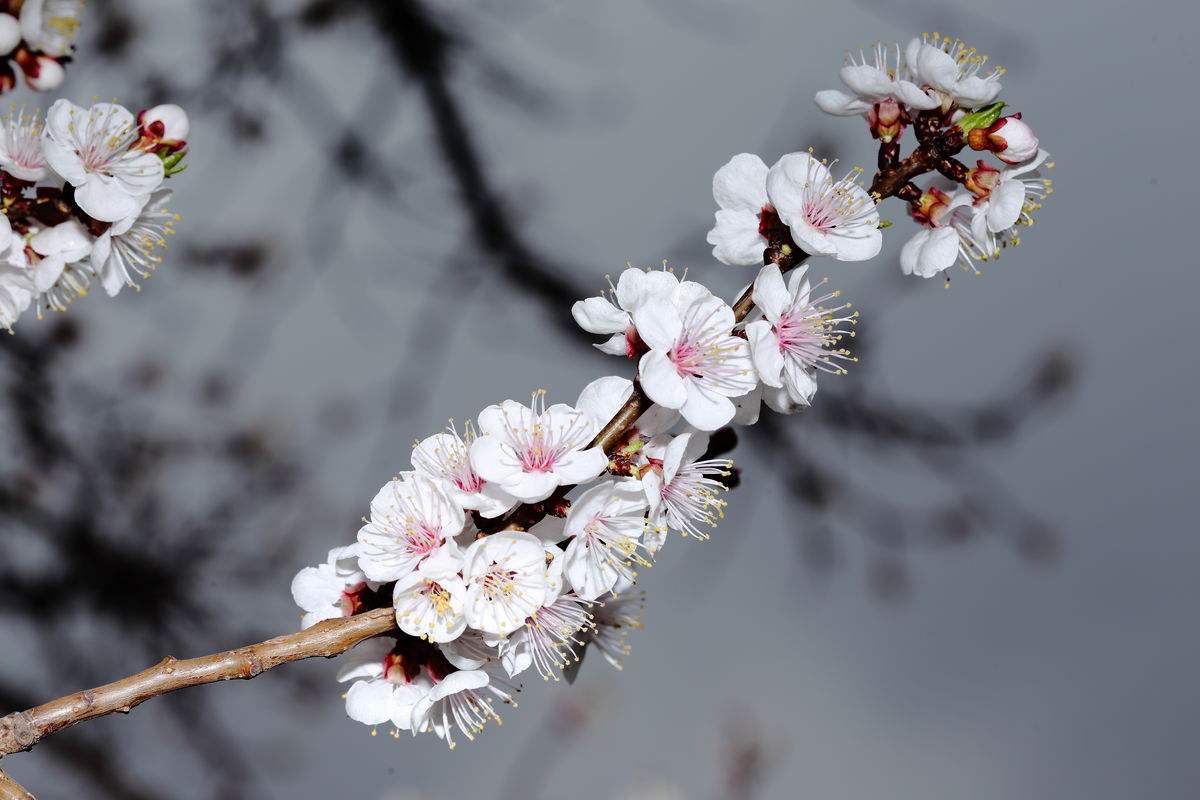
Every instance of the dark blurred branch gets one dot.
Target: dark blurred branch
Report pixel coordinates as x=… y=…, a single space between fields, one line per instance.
x=22 y=730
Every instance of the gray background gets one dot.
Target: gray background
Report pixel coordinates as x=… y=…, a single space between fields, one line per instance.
x=832 y=645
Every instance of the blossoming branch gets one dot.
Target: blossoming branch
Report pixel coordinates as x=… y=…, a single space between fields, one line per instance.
x=82 y=197
x=512 y=545
x=38 y=36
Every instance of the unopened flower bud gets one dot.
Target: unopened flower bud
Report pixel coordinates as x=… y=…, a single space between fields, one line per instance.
x=10 y=33
x=164 y=125
x=981 y=179
x=1010 y=138
x=929 y=209
x=886 y=119
x=44 y=73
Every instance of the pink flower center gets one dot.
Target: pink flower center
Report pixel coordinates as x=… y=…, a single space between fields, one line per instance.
x=423 y=539
x=687 y=356
x=798 y=337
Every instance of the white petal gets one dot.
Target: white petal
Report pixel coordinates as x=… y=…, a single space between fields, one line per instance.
x=661 y=381
x=1004 y=207
x=868 y=82
x=741 y=183
x=705 y=409
x=770 y=293
x=598 y=315
x=603 y=397
x=581 y=465
x=735 y=238
x=658 y=324
x=764 y=349
x=840 y=104
x=370 y=702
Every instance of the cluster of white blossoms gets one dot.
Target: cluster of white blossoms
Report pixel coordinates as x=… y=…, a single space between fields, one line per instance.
x=492 y=571
x=82 y=199
x=38 y=36
x=515 y=544
x=947 y=92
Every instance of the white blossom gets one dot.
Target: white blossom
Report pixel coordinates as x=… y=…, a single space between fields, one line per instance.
x=1004 y=198
x=17 y=289
x=695 y=364
x=411 y=519
x=330 y=590
x=605 y=522
x=446 y=457
x=91 y=149
x=958 y=74
x=873 y=77
x=796 y=337
x=429 y=602
x=824 y=216
x=384 y=688
x=505 y=574
x=51 y=26
x=10 y=33
x=684 y=491
x=57 y=273
x=531 y=451
x=127 y=248
x=21 y=145
x=549 y=639
x=465 y=700
x=614 y=316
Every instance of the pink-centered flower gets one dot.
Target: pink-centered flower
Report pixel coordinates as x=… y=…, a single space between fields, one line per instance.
x=464 y=700
x=506 y=580
x=796 y=337
x=21 y=145
x=91 y=149
x=411 y=519
x=605 y=524
x=530 y=451
x=824 y=216
x=446 y=457
x=385 y=685
x=695 y=364
x=684 y=490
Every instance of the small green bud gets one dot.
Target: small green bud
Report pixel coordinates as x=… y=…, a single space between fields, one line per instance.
x=983 y=118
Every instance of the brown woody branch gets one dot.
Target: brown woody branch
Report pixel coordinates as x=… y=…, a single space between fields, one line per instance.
x=22 y=730
x=11 y=790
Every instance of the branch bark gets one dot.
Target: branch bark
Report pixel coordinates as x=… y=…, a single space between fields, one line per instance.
x=11 y=790
x=22 y=730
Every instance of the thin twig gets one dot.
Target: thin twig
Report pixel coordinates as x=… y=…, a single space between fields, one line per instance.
x=22 y=730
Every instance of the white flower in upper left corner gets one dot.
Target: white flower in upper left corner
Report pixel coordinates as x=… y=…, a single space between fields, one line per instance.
x=330 y=590
x=411 y=519
x=51 y=25
x=601 y=315
x=21 y=145
x=446 y=457
x=695 y=363
x=91 y=150
x=127 y=247
x=429 y=602
x=606 y=523
x=796 y=337
x=505 y=575
x=529 y=452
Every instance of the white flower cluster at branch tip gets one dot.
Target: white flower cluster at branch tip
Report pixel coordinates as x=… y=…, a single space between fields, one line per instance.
x=38 y=36
x=947 y=92
x=82 y=199
x=515 y=543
